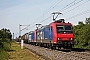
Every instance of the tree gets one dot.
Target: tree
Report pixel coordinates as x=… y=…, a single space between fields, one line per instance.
x=79 y=35
x=5 y=42
x=82 y=34
x=87 y=21
x=5 y=37
x=5 y=33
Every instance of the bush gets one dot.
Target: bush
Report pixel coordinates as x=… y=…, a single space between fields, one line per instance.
x=5 y=42
x=4 y=47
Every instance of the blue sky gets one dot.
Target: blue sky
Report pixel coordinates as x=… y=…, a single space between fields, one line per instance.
x=25 y=12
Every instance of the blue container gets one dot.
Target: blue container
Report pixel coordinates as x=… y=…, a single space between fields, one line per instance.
x=48 y=33
x=31 y=37
x=40 y=34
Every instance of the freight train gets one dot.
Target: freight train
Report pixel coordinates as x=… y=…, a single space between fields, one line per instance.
x=56 y=34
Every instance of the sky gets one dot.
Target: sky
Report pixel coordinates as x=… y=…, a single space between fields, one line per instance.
x=31 y=12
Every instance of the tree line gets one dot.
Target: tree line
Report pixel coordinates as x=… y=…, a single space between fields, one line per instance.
x=82 y=34
x=5 y=43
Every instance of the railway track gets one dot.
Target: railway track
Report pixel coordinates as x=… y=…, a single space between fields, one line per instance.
x=48 y=54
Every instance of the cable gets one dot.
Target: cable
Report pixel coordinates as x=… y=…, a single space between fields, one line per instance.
x=50 y=8
x=56 y=3
x=82 y=13
x=76 y=7
x=53 y=6
x=25 y=28
x=63 y=9
x=41 y=21
x=45 y=19
x=67 y=5
x=71 y=5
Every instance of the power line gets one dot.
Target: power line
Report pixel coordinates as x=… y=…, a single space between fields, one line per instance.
x=71 y=5
x=67 y=5
x=41 y=21
x=25 y=28
x=54 y=5
x=61 y=9
x=85 y=12
x=82 y=13
x=45 y=19
x=76 y=7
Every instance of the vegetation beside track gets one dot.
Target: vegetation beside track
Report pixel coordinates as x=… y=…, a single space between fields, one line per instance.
x=5 y=43
x=16 y=53
x=10 y=50
x=82 y=34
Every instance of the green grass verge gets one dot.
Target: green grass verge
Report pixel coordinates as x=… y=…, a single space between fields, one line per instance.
x=16 y=53
x=3 y=54
x=4 y=47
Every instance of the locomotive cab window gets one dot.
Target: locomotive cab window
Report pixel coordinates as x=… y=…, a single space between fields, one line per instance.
x=69 y=28
x=62 y=29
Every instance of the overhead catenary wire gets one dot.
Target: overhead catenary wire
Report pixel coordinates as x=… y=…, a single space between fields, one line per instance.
x=41 y=21
x=82 y=13
x=85 y=12
x=51 y=7
x=76 y=7
x=25 y=28
x=45 y=19
x=77 y=15
x=63 y=9
x=66 y=7
x=69 y=5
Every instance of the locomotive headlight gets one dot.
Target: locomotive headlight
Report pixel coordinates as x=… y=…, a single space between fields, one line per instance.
x=71 y=38
x=58 y=38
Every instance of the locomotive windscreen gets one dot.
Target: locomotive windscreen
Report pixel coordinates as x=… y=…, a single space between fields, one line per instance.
x=64 y=29
x=68 y=28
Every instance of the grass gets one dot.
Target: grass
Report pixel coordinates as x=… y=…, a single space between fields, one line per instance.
x=3 y=55
x=16 y=53
x=4 y=47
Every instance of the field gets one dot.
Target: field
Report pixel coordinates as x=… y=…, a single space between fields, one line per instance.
x=16 y=53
